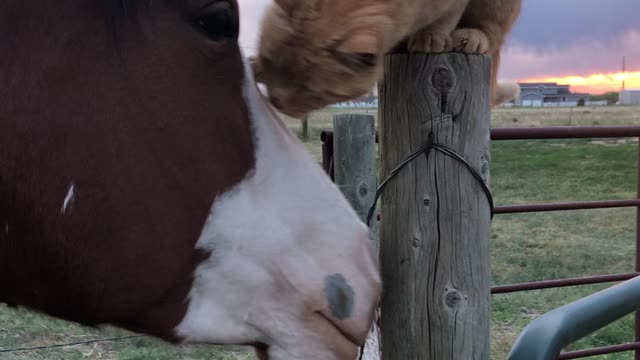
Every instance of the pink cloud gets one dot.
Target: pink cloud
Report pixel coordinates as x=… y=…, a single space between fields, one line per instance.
x=581 y=59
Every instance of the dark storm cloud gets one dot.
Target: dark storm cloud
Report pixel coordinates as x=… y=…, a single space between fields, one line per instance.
x=555 y=38
x=552 y=24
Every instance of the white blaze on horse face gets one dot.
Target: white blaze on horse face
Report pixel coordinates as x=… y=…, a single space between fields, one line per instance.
x=290 y=262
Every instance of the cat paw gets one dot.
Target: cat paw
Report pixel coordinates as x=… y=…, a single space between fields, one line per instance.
x=429 y=42
x=470 y=41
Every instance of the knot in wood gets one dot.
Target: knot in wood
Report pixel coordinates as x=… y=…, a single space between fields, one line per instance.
x=363 y=190
x=453 y=298
x=484 y=168
x=442 y=79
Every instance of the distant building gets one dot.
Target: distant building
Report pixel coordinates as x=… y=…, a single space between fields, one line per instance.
x=549 y=94
x=368 y=101
x=630 y=97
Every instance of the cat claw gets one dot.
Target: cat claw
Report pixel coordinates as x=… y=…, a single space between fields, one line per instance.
x=470 y=41
x=429 y=42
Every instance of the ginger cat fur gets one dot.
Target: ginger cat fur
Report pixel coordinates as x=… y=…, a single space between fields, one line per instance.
x=313 y=53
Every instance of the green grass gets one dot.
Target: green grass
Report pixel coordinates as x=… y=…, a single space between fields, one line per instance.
x=560 y=244
x=22 y=328
x=524 y=247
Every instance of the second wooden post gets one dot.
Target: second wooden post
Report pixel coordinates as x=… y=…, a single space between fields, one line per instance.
x=356 y=174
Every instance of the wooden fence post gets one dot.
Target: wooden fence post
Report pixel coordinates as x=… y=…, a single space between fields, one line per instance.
x=354 y=161
x=355 y=169
x=435 y=225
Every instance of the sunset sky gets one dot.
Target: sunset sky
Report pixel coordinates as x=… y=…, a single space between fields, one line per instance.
x=576 y=42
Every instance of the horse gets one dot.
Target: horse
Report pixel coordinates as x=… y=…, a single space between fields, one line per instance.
x=145 y=183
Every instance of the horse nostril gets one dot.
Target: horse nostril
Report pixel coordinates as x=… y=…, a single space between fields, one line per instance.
x=340 y=296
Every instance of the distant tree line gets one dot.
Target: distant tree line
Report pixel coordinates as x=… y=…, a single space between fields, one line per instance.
x=611 y=97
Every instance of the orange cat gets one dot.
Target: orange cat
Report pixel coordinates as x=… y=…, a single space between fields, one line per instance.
x=314 y=53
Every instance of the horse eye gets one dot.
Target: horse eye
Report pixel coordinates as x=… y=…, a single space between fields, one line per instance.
x=219 y=21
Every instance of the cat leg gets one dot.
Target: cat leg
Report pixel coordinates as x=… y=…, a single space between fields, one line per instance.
x=436 y=37
x=430 y=41
x=482 y=30
x=470 y=41
x=484 y=25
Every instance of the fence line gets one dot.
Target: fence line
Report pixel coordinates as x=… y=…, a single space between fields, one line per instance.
x=562 y=132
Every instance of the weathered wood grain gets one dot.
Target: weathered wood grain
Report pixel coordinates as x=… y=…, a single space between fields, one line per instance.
x=355 y=153
x=435 y=226
x=355 y=165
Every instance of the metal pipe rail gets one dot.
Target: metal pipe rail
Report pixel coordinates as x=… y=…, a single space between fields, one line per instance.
x=546 y=336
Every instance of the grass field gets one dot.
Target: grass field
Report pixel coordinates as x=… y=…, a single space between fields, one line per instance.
x=524 y=247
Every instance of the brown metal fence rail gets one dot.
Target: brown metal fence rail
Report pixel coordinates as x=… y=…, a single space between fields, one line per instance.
x=557 y=132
